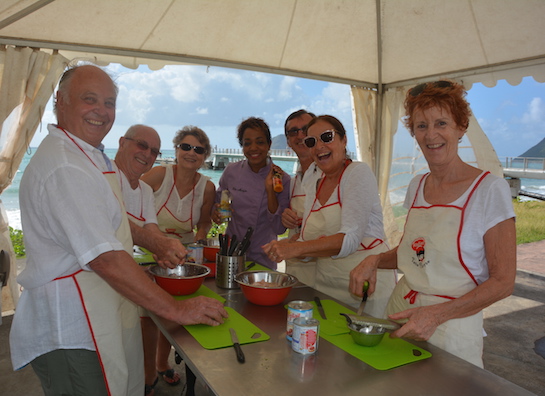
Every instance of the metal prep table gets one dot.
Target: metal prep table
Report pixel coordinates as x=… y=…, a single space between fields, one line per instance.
x=273 y=368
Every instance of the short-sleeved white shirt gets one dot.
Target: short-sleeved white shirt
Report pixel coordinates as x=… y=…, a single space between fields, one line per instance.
x=69 y=216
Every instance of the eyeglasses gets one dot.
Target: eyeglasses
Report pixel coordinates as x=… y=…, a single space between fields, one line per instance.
x=295 y=131
x=326 y=137
x=142 y=145
x=422 y=87
x=188 y=147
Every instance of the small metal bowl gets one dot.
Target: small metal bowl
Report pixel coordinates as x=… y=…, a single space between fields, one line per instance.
x=265 y=287
x=366 y=335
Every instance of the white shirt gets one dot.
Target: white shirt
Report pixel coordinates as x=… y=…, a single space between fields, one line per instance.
x=490 y=204
x=361 y=208
x=139 y=202
x=69 y=216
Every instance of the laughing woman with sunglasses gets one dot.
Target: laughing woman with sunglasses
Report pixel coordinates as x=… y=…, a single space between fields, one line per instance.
x=184 y=197
x=458 y=250
x=342 y=221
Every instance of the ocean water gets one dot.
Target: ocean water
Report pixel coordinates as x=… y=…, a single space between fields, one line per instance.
x=401 y=175
x=10 y=197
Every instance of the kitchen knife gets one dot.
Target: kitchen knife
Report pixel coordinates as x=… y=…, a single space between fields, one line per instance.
x=222 y=244
x=232 y=246
x=244 y=247
x=245 y=240
x=364 y=299
x=234 y=338
x=320 y=308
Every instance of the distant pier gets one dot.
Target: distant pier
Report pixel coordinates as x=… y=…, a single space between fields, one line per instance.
x=529 y=194
x=516 y=168
x=220 y=158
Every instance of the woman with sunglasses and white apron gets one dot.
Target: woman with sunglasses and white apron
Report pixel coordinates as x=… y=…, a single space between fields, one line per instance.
x=184 y=197
x=458 y=250
x=342 y=221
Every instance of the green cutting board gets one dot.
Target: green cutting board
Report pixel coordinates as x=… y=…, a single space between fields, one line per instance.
x=390 y=353
x=214 y=337
x=335 y=323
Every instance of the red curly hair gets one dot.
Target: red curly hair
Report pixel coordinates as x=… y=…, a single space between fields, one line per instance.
x=445 y=94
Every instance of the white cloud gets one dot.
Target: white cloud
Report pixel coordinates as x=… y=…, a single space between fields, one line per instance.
x=535 y=113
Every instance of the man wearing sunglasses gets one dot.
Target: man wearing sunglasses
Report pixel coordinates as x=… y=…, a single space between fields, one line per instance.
x=295 y=129
x=137 y=152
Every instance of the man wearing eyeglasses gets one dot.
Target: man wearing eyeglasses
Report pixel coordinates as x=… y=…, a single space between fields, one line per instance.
x=295 y=129
x=77 y=322
x=137 y=153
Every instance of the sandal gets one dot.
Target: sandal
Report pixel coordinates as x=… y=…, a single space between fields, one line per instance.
x=150 y=389
x=170 y=376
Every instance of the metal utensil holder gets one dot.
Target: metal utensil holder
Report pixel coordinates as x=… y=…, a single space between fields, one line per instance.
x=226 y=269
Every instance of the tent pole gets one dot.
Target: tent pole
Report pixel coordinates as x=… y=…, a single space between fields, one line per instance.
x=378 y=109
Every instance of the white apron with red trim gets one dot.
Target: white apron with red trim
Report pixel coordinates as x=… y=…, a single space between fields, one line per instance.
x=303 y=270
x=140 y=221
x=333 y=275
x=174 y=217
x=114 y=321
x=430 y=258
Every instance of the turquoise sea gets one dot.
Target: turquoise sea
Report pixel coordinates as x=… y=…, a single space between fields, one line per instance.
x=10 y=197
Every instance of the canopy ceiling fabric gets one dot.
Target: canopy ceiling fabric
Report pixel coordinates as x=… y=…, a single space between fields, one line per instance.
x=27 y=80
x=334 y=40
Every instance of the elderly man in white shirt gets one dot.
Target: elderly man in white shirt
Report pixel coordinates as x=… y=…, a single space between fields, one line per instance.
x=137 y=152
x=81 y=286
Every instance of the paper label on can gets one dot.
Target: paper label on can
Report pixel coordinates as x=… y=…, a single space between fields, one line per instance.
x=305 y=335
x=195 y=253
x=297 y=309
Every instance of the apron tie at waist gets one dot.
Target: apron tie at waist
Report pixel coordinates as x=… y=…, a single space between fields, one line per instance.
x=411 y=296
x=172 y=231
x=376 y=242
x=68 y=276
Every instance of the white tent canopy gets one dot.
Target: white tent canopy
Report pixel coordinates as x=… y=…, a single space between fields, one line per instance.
x=379 y=47
x=357 y=42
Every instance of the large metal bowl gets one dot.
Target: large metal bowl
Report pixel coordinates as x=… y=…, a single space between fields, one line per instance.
x=265 y=287
x=182 y=280
x=367 y=335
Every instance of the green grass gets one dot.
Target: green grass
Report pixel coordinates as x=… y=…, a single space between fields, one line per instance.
x=530 y=225
x=530 y=221
x=17 y=241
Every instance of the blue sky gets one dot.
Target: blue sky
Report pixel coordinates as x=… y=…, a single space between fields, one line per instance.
x=218 y=99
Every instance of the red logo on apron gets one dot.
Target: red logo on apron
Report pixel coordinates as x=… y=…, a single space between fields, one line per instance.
x=418 y=246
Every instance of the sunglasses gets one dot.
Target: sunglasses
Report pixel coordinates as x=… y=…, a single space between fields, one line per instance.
x=142 y=145
x=326 y=137
x=295 y=131
x=422 y=87
x=188 y=147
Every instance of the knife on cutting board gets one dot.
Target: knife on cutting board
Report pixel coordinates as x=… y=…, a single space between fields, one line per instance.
x=236 y=344
x=364 y=299
x=320 y=307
